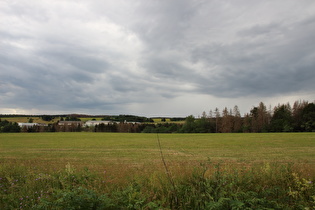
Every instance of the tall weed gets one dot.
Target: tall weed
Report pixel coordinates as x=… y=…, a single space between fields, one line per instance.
x=208 y=186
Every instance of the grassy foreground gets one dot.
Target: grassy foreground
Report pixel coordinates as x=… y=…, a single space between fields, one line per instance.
x=126 y=171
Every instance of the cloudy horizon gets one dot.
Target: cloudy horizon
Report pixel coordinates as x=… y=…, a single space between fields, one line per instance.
x=154 y=58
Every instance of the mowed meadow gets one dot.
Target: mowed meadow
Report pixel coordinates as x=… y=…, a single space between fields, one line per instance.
x=107 y=150
x=151 y=171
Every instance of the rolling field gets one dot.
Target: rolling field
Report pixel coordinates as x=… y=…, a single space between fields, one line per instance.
x=126 y=171
x=26 y=119
x=116 y=150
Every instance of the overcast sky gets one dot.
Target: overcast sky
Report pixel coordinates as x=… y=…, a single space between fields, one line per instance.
x=154 y=58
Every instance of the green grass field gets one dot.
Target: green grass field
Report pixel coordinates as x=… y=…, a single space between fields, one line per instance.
x=126 y=171
x=109 y=149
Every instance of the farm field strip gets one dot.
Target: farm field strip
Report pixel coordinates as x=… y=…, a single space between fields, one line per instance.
x=38 y=170
x=142 y=148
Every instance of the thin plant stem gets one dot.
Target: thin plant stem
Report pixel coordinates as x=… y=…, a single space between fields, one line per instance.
x=166 y=169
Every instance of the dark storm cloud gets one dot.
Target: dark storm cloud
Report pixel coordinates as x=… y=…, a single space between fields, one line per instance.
x=267 y=60
x=98 y=56
x=164 y=22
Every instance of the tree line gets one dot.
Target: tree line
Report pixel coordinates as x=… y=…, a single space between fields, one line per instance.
x=9 y=127
x=282 y=118
x=127 y=118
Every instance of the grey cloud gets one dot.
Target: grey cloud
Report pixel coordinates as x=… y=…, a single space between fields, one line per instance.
x=124 y=84
x=166 y=69
x=164 y=23
x=277 y=65
x=268 y=31
x=76 y=62
x=102 y=55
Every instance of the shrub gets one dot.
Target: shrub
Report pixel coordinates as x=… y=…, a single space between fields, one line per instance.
x=77 y=198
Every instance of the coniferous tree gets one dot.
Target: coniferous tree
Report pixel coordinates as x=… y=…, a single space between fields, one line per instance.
x=260 y=118
x=297 y=115
x=247 y=125
x=263 y=118
x=308 y=118
x=237 y=123
x=217 y=120
x=254 y=117
x=227 y=122
x=212 y=123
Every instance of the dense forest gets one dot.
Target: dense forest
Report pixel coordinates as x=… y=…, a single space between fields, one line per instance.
x=283 y=118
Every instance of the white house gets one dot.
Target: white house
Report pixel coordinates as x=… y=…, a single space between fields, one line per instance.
x=97 y=122
x=29 y=125
x=70 y=123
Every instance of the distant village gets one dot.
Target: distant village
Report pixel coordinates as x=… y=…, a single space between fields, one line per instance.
x=75 y=123
x=75 y=126
x=86 y=123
